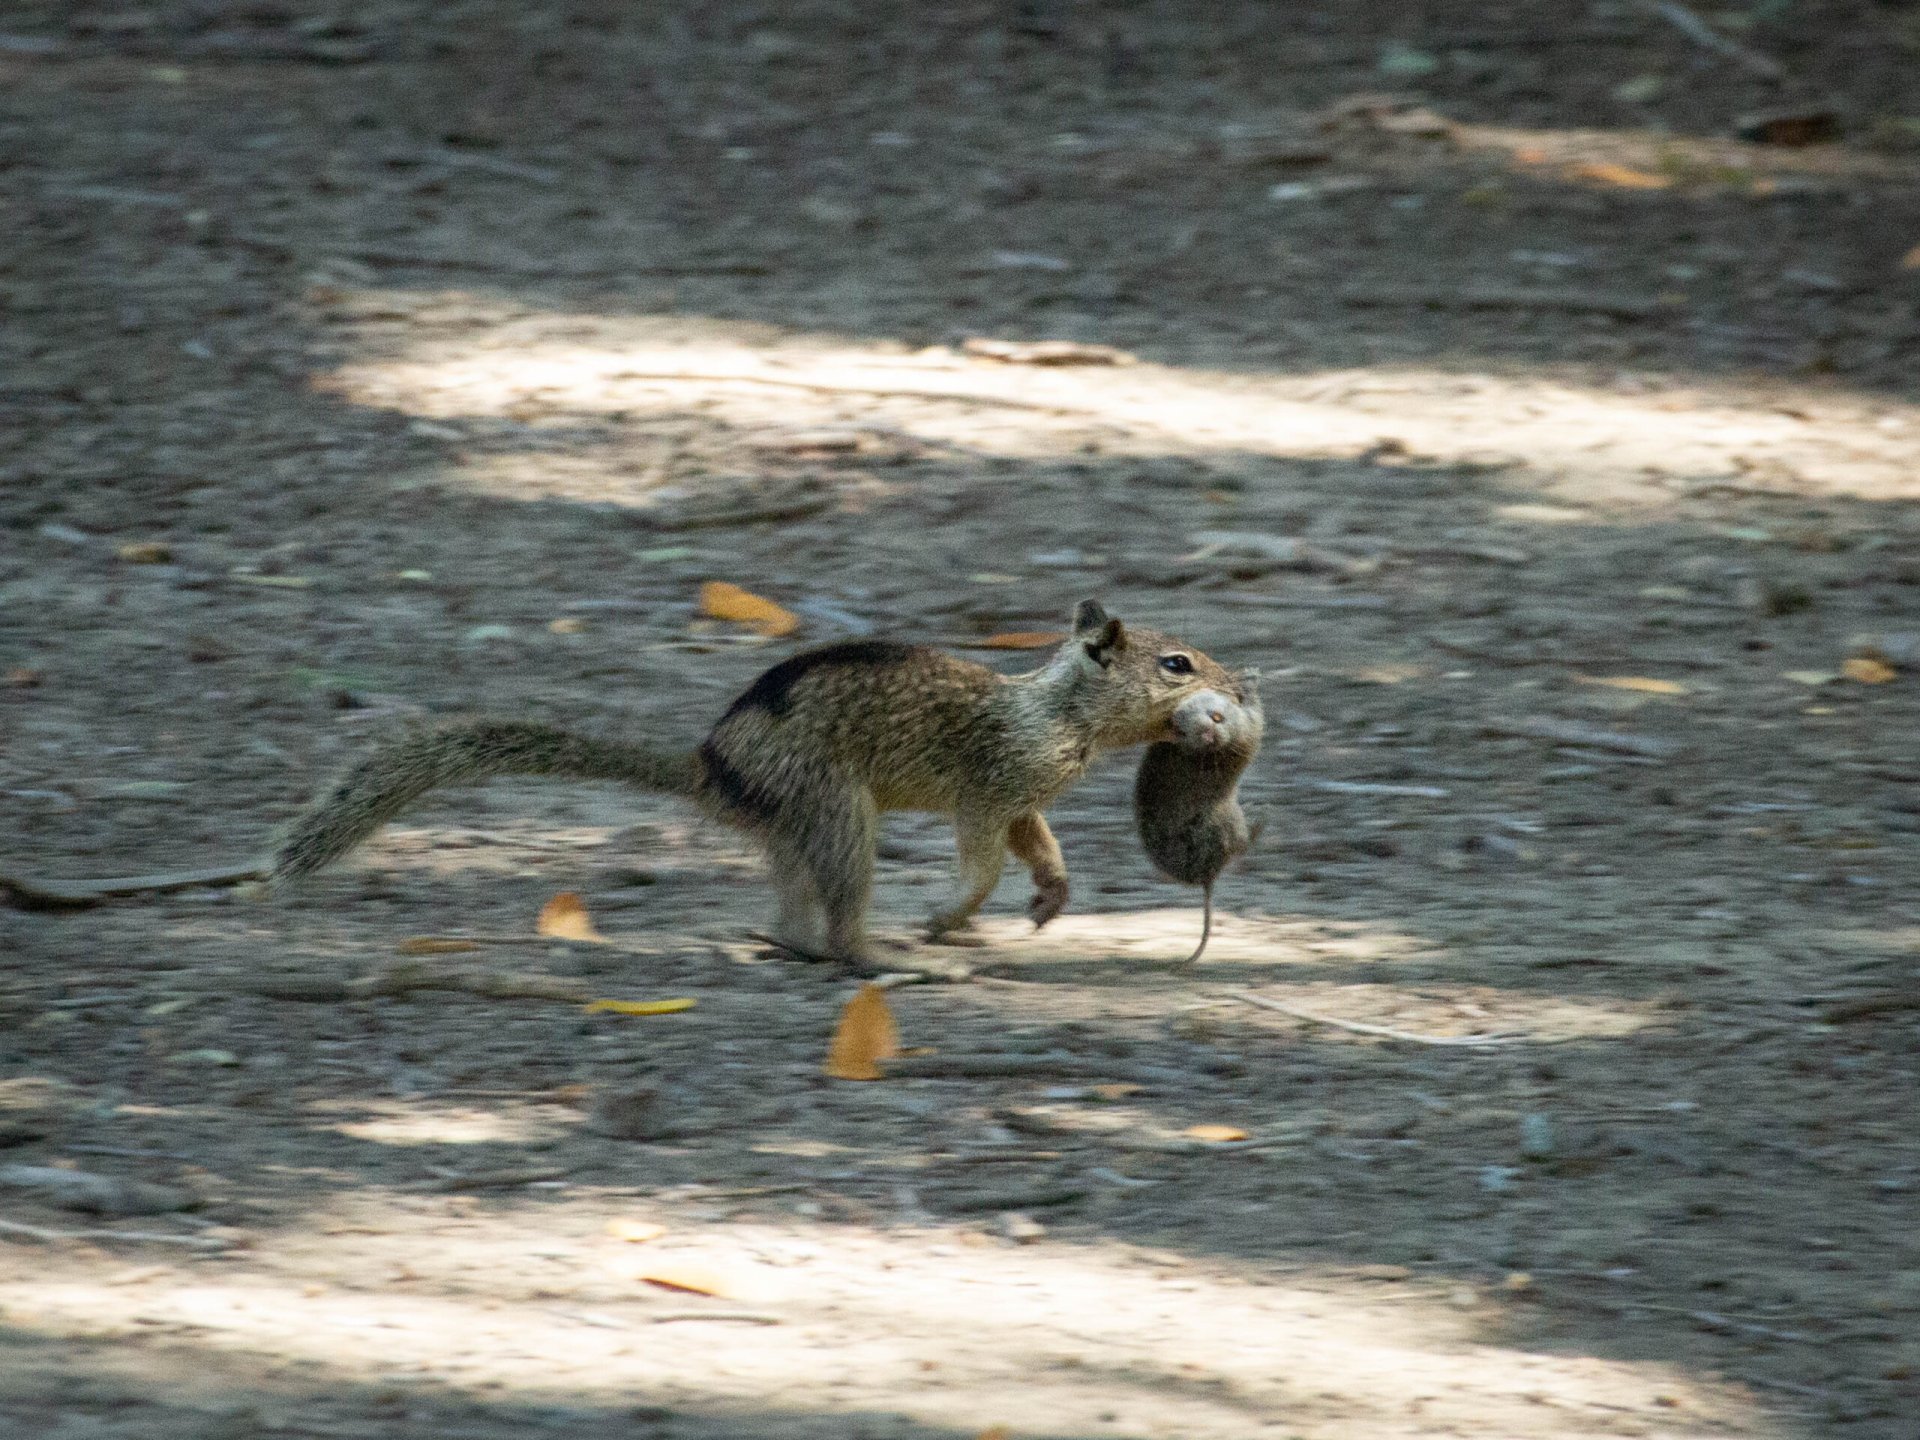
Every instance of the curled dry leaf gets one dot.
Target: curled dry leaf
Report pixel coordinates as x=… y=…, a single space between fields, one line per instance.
x=634 y=1232
x=865 y=1035
x=435 y=945
x=1219 y=1134
x=145 y=552
x=1606 y=172
x=1795 y=127
x=1020 y=640
x=567 y=625
x=640 y=1007
x=565 y=917
x=1911 y=260
x=1867 y=671
x=722 y=601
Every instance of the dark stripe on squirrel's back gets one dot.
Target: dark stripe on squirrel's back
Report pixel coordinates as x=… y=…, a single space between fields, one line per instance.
x=739 y=793
x=773 y=691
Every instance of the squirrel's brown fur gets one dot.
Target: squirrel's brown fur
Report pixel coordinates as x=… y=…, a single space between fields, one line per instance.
x=814 y=750
x=1185 y=803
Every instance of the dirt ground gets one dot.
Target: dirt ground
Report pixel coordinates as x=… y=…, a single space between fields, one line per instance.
x=372 y=360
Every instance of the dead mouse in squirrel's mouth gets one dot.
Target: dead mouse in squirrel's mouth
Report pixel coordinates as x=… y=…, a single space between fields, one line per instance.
x=1184 y=799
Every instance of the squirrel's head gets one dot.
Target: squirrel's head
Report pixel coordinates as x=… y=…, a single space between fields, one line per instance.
x=1135 y=679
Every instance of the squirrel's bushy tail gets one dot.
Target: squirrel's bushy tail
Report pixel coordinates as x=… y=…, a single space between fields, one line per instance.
x=394 y=776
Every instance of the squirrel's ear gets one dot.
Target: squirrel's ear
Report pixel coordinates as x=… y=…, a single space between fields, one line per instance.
x=1249 y=679
x=1111 y=640
x=1088 y=615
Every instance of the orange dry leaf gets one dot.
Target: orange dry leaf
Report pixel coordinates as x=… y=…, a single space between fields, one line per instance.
x=1644 y=684
x=640 y=1007
x=729 y=602
x=995 y=1432
x=866 y=1034
x=1220 y=1133
x=1021 y=640
x=565 y=917
x=1387 y=674
x=1624 y=176
x=1868 y=671
x=635 y=1232
x=435 y=945
x=1911 y=260
x=693 y=1279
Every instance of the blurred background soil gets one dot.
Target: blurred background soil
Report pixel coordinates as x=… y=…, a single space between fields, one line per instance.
x=1528 y=388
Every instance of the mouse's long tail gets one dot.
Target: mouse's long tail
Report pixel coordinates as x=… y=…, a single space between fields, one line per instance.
x=1206 y=922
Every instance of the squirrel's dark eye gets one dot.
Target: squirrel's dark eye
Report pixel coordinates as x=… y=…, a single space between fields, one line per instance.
x=1176 y=664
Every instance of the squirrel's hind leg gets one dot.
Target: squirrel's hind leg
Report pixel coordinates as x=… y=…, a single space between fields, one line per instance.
x=824 y=857
x=799 y=925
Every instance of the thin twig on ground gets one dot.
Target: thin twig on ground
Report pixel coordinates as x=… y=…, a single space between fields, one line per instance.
x=1714 y=1321
x=408 y=976
x=878 y=392
x=1300 y=601
x=490 y=164
x=1708 y=38
x=39 y=892
x=1505 y=297
x=1575 y=732
x=1039 y=1198
x=49 y=1236
x=718 y=1317
x=499 y=1179
x=772 y=511
x=1866 y=1005
x=289 y=249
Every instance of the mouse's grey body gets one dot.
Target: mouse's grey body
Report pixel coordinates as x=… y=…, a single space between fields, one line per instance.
x=1184 y=798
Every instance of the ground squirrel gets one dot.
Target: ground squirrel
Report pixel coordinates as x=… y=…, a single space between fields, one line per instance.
x=806 y=759
x=1184 y=799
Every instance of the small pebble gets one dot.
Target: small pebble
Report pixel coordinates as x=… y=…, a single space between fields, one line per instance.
x=1497 y=1179
x=1536 y=1137
x=1021 y=1229
x=636 y=1114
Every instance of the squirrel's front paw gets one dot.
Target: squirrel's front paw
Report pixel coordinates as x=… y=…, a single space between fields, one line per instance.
x=1049 y=899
